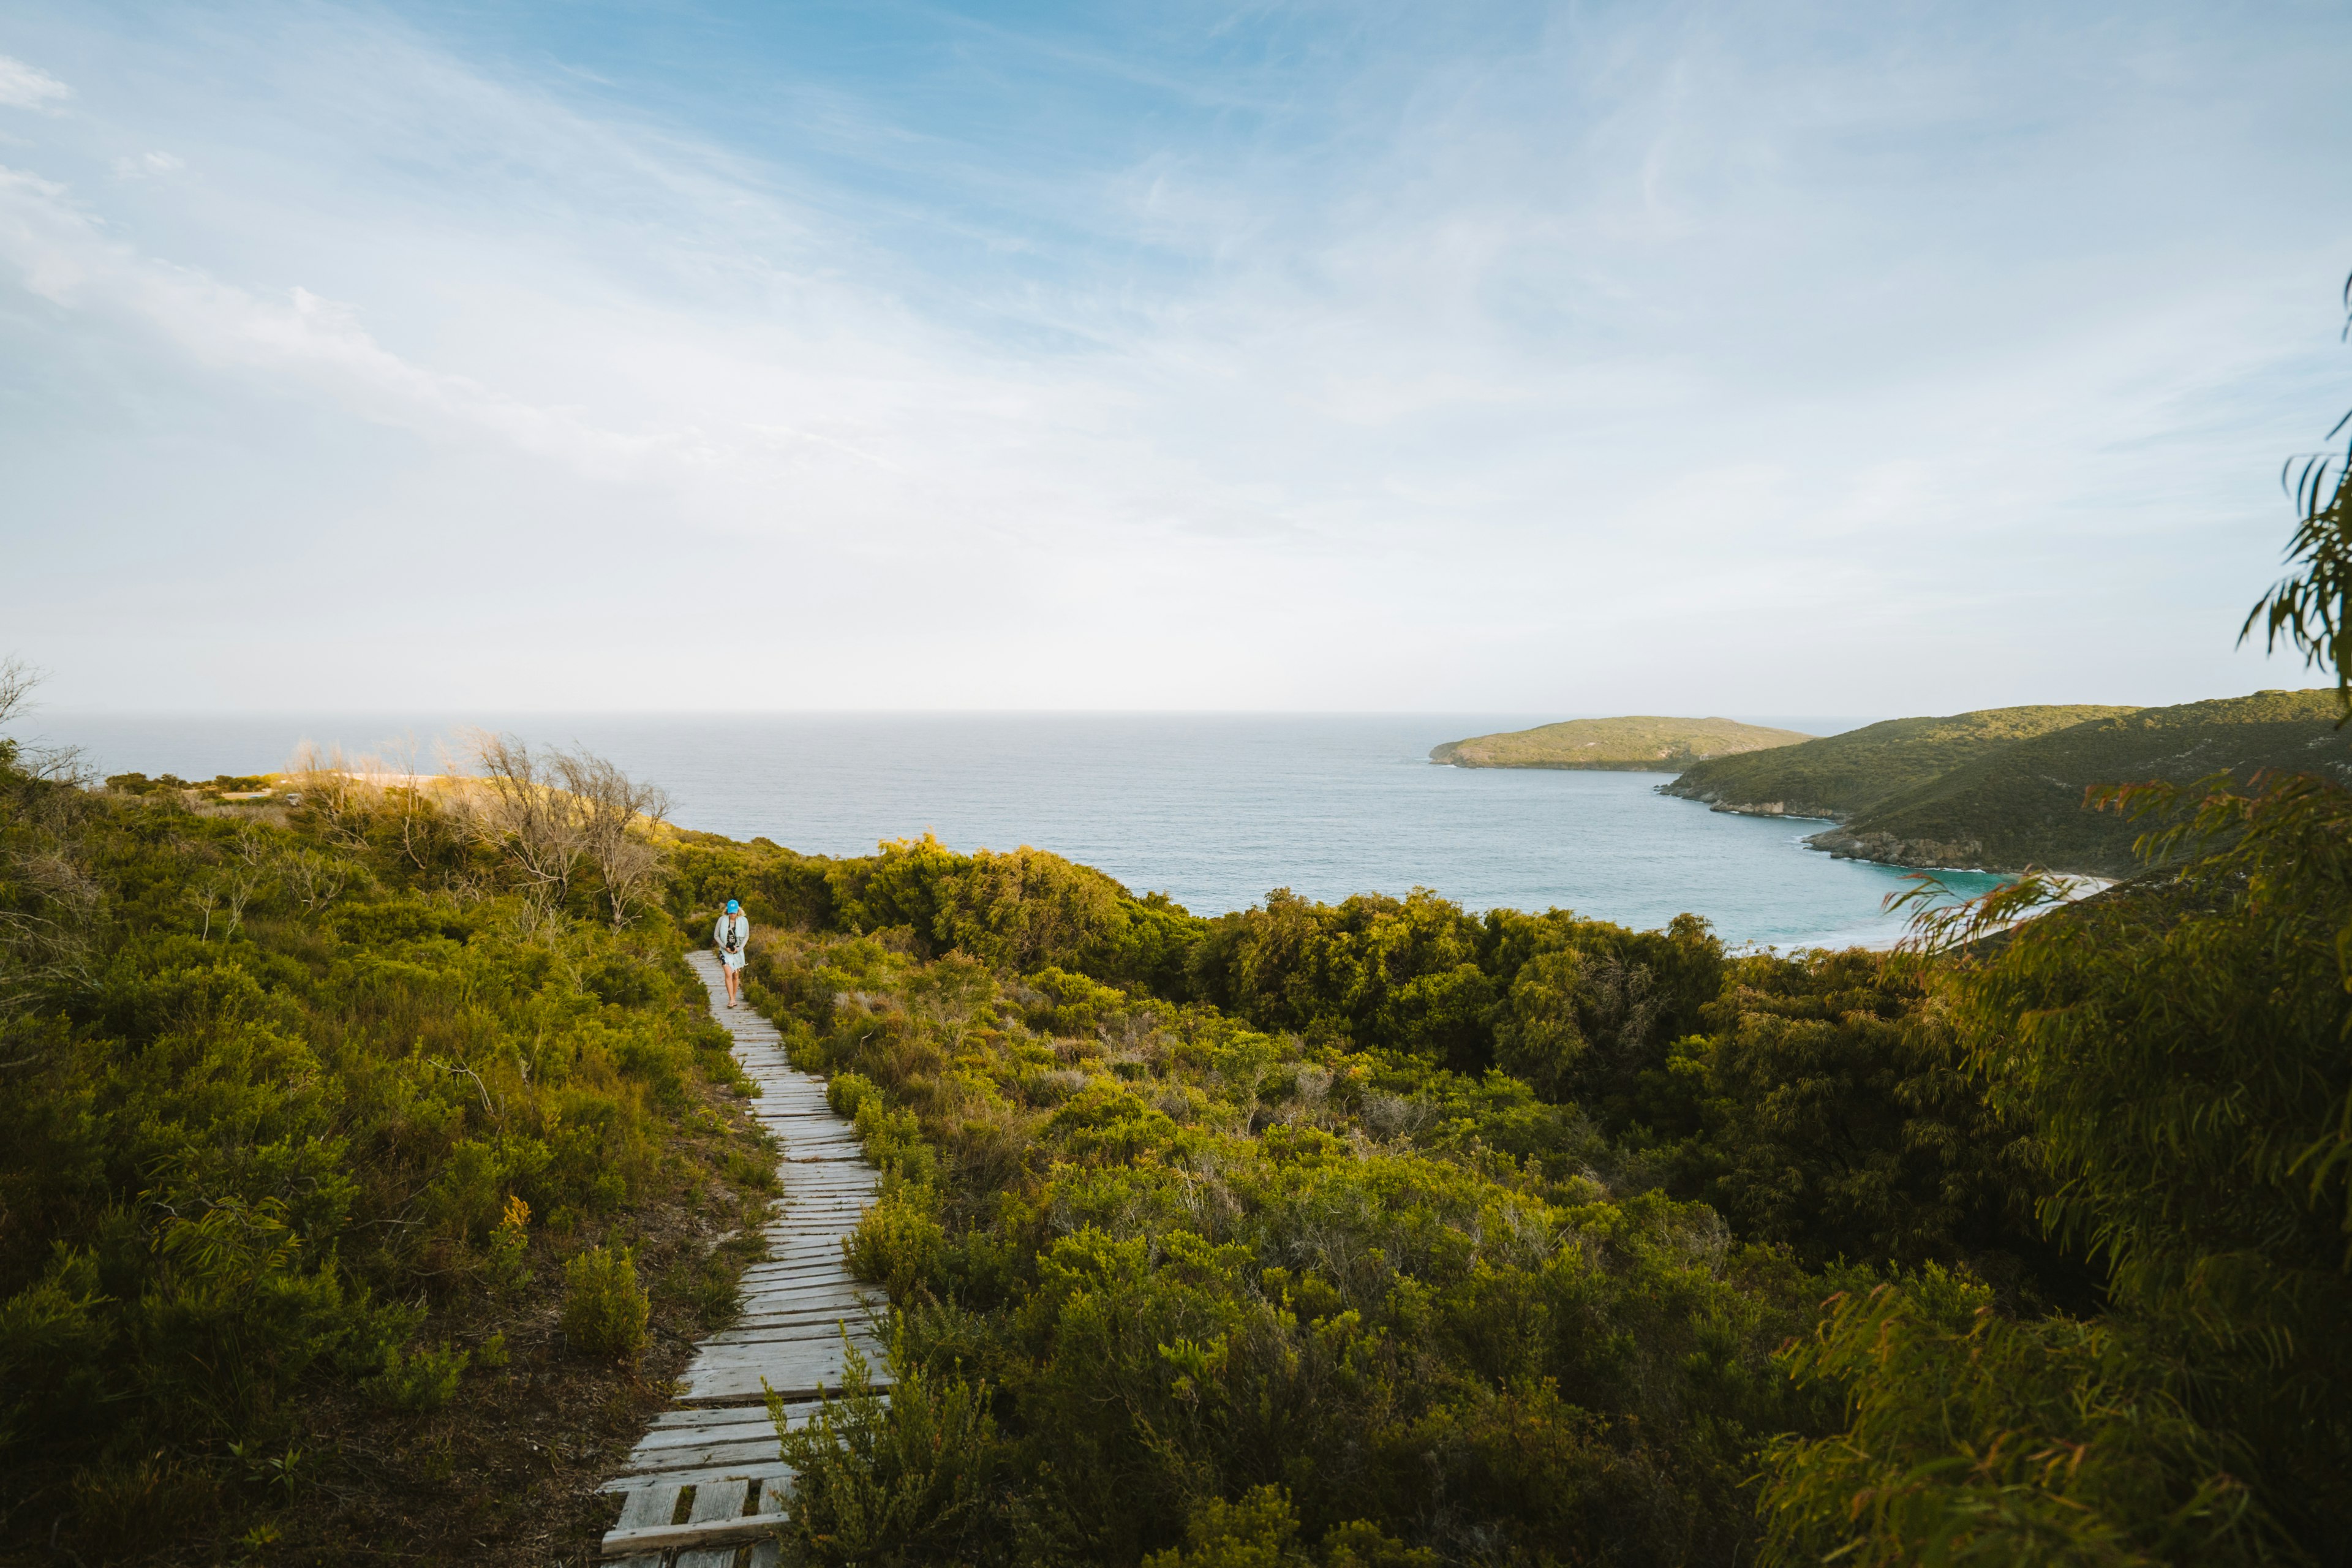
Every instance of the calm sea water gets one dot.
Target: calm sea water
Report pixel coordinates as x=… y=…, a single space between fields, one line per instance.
x=1213 y=810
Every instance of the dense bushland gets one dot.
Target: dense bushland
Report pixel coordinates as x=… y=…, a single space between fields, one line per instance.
x=305 y=1109
x=1381 y=1232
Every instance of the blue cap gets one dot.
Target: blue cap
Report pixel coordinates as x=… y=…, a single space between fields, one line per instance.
x=733 y=908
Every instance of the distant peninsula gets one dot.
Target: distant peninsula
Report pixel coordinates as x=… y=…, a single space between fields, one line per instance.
x=1843 y=777
x=1637 y=744
x=2002 y=788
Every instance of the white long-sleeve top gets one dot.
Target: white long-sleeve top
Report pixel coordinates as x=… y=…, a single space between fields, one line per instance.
x=734 y=928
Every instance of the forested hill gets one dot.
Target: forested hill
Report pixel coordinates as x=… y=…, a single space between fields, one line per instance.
x=1638 y=744
x=1838 y=775
x=2023 y=804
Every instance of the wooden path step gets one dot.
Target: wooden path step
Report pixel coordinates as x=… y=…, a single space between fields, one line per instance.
x=705 y=1480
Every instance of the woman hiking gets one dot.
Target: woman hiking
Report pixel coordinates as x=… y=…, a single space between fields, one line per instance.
x=732 y=936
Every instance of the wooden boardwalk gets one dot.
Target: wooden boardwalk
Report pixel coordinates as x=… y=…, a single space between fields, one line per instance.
x=704 y=1486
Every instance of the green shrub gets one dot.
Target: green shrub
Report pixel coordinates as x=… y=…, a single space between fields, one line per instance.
x=902 y=1479
x=419 y=1381
x=1258 y=1532
x=1976 y=1438
x=604 y=1310
x=899 y=1241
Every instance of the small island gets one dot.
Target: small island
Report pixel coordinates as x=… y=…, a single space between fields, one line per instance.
x=1637 y=744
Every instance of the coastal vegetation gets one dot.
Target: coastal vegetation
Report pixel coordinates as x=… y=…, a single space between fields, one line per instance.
x=1632 y=745
x=1378 y=1232
x=347 y=1165
x=1375 y=1232
x=2028 y=802
x=1840 y=776
x=2009 y=788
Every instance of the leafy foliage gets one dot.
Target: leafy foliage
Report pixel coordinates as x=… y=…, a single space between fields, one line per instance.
x=288 y=1085
x=1978 y=1439
x=604 y=1308
x=1185 y=1259
x=887 y=1480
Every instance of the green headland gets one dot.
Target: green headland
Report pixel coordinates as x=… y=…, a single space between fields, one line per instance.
x=1636 y=743
x=2005 y=788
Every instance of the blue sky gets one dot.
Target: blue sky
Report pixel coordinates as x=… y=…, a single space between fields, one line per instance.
x=1669 y=358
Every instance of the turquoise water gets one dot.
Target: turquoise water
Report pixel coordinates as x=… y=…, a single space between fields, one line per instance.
x=1213 y=810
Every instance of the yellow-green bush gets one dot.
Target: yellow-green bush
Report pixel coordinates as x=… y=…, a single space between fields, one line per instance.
x=604 y=1308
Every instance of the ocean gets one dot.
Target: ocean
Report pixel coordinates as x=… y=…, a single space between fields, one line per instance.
x=1213 y=810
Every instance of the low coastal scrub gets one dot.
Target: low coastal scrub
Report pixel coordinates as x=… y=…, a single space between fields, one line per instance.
x=312 y=1111
x=1376 y=1232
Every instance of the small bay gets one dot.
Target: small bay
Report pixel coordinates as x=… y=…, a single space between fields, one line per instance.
x=1212 y=809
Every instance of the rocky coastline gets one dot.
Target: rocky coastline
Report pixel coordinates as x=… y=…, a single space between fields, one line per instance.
x=1888 y=849
x=1881 y=848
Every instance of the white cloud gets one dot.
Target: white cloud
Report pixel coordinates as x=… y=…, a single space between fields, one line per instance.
x=28 y=87
x=147 y=165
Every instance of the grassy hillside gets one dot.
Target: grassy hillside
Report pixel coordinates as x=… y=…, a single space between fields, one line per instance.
x=2023 y=804
x=1639 y=743
x=1838 y=775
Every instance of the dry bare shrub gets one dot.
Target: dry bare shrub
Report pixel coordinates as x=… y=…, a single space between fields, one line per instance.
x=516 y=808
x=614 y=817
x=549 y=813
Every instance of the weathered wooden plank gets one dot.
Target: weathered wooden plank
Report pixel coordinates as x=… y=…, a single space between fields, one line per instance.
x=820 y=1252
x=678 y=1537
x=649 y=1504
x=742 y=1425
x=720 y=1500
x=731 y=1456
x=767 y=1470
x=777 y=1292
x=770 y=1553
x=799 y=1365
x=802 y=1297
x=795 y=1271
x=806 y=1349
x=824 y=1325
x=726 y=1443
x=700 y=1420
x=737 y=1383
x=792 y=1331
x=813 y=1251
x=809 y=1289
x=806 y=1307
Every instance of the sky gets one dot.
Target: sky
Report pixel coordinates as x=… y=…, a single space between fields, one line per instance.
x=1672 y=358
